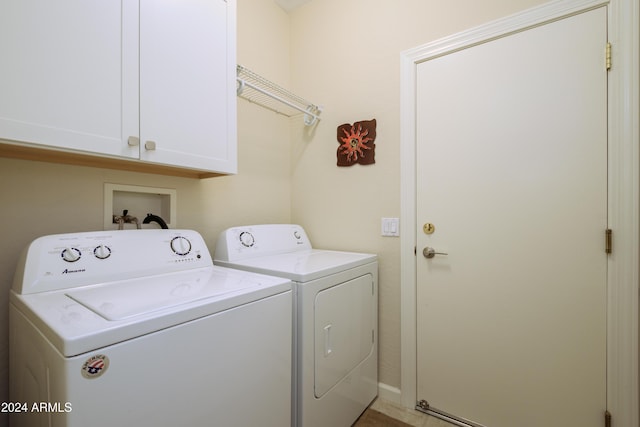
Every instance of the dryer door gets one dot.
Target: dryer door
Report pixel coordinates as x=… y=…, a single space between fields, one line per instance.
x=344 y=330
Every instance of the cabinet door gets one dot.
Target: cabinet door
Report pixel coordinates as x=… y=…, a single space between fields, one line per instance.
x=187 y=83
x=66 y=80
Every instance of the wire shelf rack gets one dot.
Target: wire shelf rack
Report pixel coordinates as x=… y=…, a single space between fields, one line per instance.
x=257 y=89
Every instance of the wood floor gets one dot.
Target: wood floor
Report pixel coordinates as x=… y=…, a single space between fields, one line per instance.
x=373 y=418
x=383 y=413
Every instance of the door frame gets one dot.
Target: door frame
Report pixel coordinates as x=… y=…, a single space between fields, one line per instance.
x=623 y=266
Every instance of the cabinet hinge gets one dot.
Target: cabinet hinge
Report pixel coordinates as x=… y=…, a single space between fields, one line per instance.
x=608 y=56
x=607 y=419
x=415 y=250
x=608 y=243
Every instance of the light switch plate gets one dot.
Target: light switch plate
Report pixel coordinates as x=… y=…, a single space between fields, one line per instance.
x=390 y=227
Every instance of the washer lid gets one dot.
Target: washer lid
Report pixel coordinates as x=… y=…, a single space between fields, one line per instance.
x=303 y=266
x=118 y=301
x=92 y=317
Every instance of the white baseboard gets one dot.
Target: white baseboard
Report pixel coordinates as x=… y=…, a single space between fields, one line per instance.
x=389 y=393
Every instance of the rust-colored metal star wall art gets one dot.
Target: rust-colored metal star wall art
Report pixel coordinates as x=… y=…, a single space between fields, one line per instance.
x=356 y=143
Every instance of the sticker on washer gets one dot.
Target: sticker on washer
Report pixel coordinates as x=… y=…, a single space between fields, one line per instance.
x=95 y=366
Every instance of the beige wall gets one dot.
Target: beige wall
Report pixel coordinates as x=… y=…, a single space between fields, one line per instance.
x=342 y=54
x=346 y=57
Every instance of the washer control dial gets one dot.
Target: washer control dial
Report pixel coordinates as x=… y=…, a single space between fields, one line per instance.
x=102 y=252
x=180 y=245
x=247 y=239
x=71 y=254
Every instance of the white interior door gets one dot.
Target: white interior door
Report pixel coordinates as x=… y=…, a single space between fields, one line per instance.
x=512 y=172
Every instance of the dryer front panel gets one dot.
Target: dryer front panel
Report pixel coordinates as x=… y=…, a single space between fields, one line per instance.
x=343 y=329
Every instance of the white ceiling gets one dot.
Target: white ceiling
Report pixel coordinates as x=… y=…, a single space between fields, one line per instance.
x=289 y=5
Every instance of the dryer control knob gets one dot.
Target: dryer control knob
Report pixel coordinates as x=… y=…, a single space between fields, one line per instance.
x=247 y=239
x=180 y=245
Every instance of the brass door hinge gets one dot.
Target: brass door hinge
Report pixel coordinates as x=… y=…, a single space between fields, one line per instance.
x=608 y=56
x=608 y=244
x=607 y=419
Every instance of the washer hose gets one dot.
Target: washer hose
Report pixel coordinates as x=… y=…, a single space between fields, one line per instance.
x=155 y=218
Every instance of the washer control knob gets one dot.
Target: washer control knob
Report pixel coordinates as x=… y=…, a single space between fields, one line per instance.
x=180 y=245
x=247 y=239
x=102 y=252
x=71 y=254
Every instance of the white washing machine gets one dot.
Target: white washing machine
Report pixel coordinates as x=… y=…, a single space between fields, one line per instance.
x=139 y=328
x=336 y=312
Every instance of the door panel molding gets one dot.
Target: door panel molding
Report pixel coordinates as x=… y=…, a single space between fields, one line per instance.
x=624 y=189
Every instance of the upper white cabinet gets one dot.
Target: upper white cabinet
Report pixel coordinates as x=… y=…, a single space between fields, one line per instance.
x=64 y=76
x=187 y=83
x=149 y=80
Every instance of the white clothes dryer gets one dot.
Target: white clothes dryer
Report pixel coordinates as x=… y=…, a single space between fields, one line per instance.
x=139 y=328
x=336 y=312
